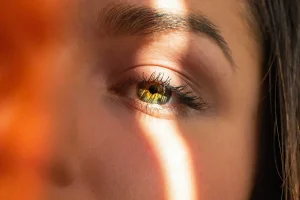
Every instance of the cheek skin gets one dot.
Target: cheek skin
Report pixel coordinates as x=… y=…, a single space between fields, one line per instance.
x=224 y=157
x=117 y=161
x=134 y=152
x=174 y=157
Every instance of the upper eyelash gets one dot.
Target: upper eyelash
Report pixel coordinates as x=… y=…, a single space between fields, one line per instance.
x=159 y=78
x=186 y=97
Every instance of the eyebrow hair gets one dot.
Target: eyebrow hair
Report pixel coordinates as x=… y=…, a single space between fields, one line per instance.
x=126 y=19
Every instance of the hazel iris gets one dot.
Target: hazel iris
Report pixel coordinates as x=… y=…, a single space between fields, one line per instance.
x=153 y=92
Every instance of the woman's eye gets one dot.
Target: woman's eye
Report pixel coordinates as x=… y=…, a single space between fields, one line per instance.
x=154 y=93
x=158 y=96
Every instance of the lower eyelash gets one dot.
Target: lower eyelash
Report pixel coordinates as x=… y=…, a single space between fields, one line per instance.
x=188 y=99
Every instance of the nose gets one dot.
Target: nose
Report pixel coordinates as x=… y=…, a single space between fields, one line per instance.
x=30 y=89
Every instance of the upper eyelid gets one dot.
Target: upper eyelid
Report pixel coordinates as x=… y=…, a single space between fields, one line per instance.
x=168 y=76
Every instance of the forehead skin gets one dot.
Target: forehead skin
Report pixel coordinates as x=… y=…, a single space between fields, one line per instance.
x=100 y=145
x=232 y=16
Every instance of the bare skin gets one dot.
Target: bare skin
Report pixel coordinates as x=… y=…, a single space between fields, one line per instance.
x=72 y=123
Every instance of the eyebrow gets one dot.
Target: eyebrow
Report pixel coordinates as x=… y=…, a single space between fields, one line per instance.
x=126 y=19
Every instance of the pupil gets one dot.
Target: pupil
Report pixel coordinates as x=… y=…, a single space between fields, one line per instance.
x=153 y=89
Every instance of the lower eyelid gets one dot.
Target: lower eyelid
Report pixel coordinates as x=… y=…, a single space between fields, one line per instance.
x=154 y=110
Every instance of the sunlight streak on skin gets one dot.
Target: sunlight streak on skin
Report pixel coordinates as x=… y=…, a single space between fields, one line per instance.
x=174 y=158
x=170 y=5
x=172 y=151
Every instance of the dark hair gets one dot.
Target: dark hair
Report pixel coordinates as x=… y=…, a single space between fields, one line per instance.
x=279 y=22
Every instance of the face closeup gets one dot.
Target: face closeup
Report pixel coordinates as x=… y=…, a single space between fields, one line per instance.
x=133 y=100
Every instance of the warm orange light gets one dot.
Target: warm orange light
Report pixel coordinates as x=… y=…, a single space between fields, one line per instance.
x=26 y=29
x=174 y=158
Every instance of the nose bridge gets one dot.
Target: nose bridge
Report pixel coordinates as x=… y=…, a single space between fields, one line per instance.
x=31 y=81
x=32 y=102
x=30 y=73
x=27 y=118
x=26 y=115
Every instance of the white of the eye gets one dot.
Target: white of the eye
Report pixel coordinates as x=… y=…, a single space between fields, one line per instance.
x=174 y=99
